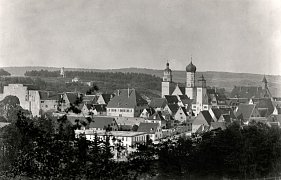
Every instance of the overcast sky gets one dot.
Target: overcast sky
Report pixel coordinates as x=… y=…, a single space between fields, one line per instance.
x=221 y=35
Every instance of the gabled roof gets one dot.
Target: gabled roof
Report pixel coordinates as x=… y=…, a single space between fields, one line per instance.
x=125 y=98
x=245 y=111
x=156 y=116
x=150 y=111
x=267 y=106
x=216 y=112
x=149 y=128
x=158 y=103
x=185 y=99
x=171 y=99
x=101 y=122
x=248 y=92
x=48 y=95
x=90 y=99
x=223 y=111
x=217 y=125
x=106 y=97
x=207 y=116
x=89 y=106
x=226 y=118
x=72 y=96
x=182 y=89
x=174 y=108
x=100 y=107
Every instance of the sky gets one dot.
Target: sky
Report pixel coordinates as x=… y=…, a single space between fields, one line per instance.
x=219 y=35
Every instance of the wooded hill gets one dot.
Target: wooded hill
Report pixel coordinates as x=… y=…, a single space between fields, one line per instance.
x=225 y=80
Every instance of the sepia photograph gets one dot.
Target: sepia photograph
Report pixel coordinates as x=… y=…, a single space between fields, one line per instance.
x=140 y=89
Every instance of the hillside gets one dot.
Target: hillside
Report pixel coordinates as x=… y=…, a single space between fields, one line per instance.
x=225 y=80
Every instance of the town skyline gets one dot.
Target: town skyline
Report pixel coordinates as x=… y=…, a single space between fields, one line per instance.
x=233 y=36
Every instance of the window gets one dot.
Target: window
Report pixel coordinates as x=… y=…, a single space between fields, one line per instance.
x=46 y=106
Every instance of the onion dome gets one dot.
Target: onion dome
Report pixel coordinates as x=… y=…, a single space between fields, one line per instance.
x=167 y=68
x=190 y=68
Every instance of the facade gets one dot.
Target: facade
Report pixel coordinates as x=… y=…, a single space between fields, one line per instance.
x=126 y=103
x=127 y=139
x=152 y=129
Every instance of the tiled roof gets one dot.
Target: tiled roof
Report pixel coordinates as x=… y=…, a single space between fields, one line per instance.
x=265 y=103
x=101 y=122
x=150 y=111
x=171 y=99
x=72 y=96
x=125 y=98
x=226 y=118
x=217 y=112
x=182 y=89
x=158 y=103
x=129 y=120
x=245 y=111
x=174 y=108
x=90 y=99
x=106 y=98
x=217 y=125
x=100 y=107
x=207 y=116
x=247 y=92
x=156 y=116
x=48 y=95
x=149 y=128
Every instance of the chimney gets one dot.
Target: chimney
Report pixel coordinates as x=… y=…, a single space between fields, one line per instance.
x=128 y=92
x=118 y=93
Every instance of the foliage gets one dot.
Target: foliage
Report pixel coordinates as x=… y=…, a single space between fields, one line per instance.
x=4 y=73
x=45 y=149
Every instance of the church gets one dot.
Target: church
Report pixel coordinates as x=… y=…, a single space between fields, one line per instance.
x=195 y=91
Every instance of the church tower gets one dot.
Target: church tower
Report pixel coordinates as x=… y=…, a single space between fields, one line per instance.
x=62 y=73
x=190 y=81
x=201 y=92
x=167 y=81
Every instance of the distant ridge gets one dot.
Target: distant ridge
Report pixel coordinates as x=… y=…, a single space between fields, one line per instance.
x=226 y=80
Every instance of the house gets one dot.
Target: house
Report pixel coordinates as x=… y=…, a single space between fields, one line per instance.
x=48 y=101
x=104 y=99
x=158 y=104
x=152 y=129
x=204 y=118
x=245 y=111
x=126 y=139
x=147 y=112
x=178 y=113
x=68 y=99
x=87 y=109
x=127 y=103
x=222 y=114
x=171 y=99
x=102 y=123
x=157 y=118
x=99 y=110
x=90 y=99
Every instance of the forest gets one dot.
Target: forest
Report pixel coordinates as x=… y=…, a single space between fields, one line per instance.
x=107 y=82
x=4 y=73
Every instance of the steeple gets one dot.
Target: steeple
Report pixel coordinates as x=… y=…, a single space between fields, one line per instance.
x=167 y=73
x=264 y=81
x=203 y=81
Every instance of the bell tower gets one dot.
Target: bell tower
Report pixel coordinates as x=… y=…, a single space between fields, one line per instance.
x=167 y=81
x=190 y=80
